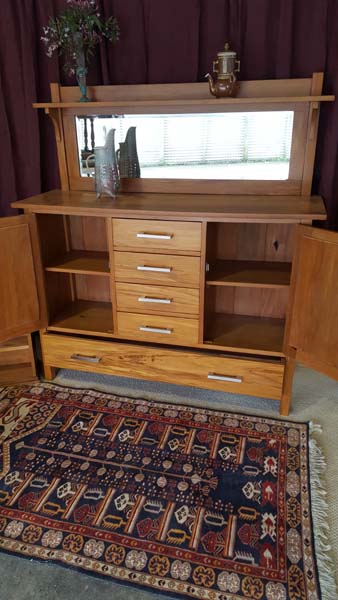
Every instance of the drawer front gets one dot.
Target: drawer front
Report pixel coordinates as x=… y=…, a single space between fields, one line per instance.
x=157 y=328
x=150 y=299
x=158 y=269
x=157 y=235
x=197 y=369
x=15 y=356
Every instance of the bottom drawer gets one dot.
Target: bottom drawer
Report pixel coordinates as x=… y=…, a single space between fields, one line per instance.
x=197 y=369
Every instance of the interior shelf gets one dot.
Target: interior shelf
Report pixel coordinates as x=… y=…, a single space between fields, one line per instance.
x=247 y=333
x=82 y=316
x=82 y=262
x=247 y=273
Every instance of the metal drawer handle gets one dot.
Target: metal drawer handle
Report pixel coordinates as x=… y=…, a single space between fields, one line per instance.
x=155 y=329
x=156 y=269
x=155 y=300
x=224 y=378
x=155 y=236
x=91 y=359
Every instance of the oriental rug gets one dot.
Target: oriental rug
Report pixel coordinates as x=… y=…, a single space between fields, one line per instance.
x=175 y=499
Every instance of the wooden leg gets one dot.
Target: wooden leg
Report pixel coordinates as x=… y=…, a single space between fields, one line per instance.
x=284 y=408
x=49 y=372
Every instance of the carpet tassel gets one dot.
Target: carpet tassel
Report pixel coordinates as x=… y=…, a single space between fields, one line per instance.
x=320 y=516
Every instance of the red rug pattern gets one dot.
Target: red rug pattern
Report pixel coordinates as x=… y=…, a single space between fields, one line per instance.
x=180 y=500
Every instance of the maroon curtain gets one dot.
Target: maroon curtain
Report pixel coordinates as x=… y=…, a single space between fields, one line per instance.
x=161 y=41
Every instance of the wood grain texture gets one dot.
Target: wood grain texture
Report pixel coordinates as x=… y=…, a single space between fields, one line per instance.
x=56 y=116
x=92 y=287
x=81 y=261
x=251 y=241
x=254 y=301
x=250 y=334
x=88 y=234
x=181 y=331
x=312 y=327
x=249 y=274
x=184 y=270
x=18 y=343
x=313 y=122
x=130 y=298
x=255 y=88
x=183 y=236
x=259 y=377
x=22 y=300
x=290 y=364
x=186 y=207
x=85 y=317
x=17 y=374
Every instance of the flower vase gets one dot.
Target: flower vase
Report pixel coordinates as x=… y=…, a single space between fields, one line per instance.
x=80 y=69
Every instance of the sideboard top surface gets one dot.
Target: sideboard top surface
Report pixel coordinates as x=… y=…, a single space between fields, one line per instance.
x=188 y=207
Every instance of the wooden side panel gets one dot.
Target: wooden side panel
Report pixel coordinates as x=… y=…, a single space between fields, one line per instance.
x=92 y=287
x=312 y=328
x=22 y=300
x=251 y=241
x=88 y=233
x=260 y=302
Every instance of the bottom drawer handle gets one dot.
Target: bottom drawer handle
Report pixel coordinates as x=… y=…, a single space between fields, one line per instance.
x=155 y=329
x=91 y=359
x=224 y=378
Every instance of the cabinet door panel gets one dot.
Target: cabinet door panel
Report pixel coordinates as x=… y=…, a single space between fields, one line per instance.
x=22 y=303
x=313 y=325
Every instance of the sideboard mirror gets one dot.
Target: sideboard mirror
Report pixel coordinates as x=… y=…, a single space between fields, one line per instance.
x=214 y=146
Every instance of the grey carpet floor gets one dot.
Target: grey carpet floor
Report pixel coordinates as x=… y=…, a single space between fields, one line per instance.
x=315 y=398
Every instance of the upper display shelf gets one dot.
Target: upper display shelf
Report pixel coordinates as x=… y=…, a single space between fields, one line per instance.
x=250 y=92
x=185 y=102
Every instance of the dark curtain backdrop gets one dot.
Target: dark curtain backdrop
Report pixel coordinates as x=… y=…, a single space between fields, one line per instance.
x=167 y=41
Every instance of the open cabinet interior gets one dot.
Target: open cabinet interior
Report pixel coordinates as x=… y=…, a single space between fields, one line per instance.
x=247 y=285
x=77 y=276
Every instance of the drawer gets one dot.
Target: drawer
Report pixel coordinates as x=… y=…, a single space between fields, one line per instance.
x=157 y=328
x=134 y=297
x=15 y=357
x=15 y=352
x=140 y=234
x=194 y=368
x=158 y=269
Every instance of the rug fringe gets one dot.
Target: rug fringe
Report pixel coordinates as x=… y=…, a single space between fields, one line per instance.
x=320 y=516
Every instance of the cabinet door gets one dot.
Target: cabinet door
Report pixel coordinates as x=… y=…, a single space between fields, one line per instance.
x=312 y=329
x=22 y=299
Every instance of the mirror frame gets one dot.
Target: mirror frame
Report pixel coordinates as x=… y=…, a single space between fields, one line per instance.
x=302 y=96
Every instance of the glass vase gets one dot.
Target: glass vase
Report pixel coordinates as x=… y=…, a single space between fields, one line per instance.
x=80 y=69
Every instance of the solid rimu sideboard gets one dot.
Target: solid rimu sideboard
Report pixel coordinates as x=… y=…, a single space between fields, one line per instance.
x=190 y=290
x=215 y=283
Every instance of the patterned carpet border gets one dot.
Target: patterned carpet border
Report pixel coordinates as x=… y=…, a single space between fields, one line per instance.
x=179 y=500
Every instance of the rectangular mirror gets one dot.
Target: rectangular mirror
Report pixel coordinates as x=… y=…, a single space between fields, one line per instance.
x=217 y=146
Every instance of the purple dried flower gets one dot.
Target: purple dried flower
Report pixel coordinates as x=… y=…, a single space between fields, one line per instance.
x=77 y=31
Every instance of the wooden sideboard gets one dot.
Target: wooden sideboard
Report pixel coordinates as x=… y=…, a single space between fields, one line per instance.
x=200 y=291
x=223 y=290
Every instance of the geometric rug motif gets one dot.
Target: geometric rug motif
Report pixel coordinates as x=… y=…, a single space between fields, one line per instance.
x=181 y=500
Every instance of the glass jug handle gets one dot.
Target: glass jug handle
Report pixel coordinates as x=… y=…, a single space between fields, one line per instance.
x=88 y=167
